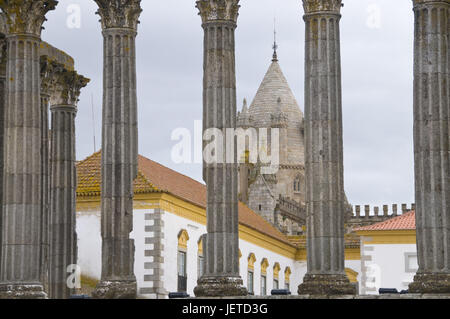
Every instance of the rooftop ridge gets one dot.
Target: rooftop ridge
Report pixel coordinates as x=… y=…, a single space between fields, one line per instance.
x=405 y=221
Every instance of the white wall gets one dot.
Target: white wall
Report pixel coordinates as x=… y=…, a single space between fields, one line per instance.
x=387 y=267
x=174 y=224
x=89 y=253
x=89 y=244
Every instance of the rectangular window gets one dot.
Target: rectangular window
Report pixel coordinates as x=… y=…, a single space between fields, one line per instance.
x=200 y=266
x=250 y=282
x=286 y=286
x=411 y=265
x=275 y=284
x=263 y=286
x=182 y=273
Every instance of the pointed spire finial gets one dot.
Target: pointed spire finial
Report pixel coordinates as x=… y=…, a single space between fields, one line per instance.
x=244 y=106
x=275 y=46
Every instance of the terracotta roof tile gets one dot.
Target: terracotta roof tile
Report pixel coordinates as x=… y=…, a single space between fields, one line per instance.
x=351 y=241
x=407 y=221
x=154 y=177
x=89 y=178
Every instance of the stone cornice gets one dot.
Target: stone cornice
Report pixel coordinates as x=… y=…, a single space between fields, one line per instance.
x=67 y=86
x=322 y=6
x=26 y=16
x=430 y=1
x=422 y=3
x=218 y=10
x=119 y=13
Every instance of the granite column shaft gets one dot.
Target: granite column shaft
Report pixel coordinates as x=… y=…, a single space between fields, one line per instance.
x=221 y=243
x=119 y=148
x=63 y=247
x=325 y=202
x=21 y=272
x=2 y=125
x=431 y=145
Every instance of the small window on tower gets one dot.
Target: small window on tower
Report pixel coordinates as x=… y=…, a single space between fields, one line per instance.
x=260 y=207
x=297 y=187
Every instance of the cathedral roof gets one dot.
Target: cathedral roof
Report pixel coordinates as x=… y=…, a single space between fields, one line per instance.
x=154 y=177
x=273 y=88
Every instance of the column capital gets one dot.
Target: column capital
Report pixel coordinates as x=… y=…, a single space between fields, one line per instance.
x=26 y=16
x=218 y=10
x=322 y=6
x=119 y=13
x=430 y=2
x=67 y=86
x=48 y=71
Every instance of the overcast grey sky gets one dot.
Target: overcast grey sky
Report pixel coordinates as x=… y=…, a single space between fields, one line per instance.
x=377 y=67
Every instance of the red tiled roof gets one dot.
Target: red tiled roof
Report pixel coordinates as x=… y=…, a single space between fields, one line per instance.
x=407 y=221
x=154 y=177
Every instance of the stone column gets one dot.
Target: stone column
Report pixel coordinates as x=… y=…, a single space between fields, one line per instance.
x=119 y=147
x=3 y=58
x=431 y=145
x=47 y=78
x=221 y=243
x=63 y=237
x=325 y=199
x=20 y=275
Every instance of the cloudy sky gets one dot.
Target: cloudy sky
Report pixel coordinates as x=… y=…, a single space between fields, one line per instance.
x=377 y=55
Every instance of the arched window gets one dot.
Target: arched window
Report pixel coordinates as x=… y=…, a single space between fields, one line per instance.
x=250 y=273
x=276 y=273
x=298 y=184
x=264 y=265
x=352 y=275
x=183 y=238
x=200 y=259
x=240 y=255
x=287 y=277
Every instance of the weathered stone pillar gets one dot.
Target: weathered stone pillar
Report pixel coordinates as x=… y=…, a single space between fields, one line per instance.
x=47 y=81
x=431 y=145
x=221 y=243
x=325 y=199
x=63 y=237
x=20 y=275
x=3 y=58
x=119 y=147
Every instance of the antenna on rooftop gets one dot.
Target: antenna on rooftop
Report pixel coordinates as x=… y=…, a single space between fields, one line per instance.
x=93 y=121
x=275 y=46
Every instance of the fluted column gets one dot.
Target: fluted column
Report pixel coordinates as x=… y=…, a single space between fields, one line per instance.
x=47 y=81
x=119 y=147
x=221 y=243
x=63 y=237
x=431 y=145
x=3 y=57
x=325 y=201
x=20 y=275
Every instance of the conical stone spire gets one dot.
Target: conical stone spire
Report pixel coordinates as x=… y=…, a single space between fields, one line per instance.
x=264 y=106
x=244 y=119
